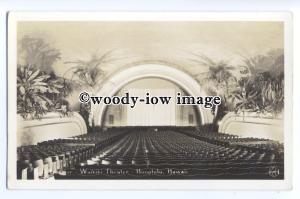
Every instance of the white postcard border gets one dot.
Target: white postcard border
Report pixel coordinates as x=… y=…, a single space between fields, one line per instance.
x=15 y=17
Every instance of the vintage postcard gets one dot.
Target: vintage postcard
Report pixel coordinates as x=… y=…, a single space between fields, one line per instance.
x=158 y=100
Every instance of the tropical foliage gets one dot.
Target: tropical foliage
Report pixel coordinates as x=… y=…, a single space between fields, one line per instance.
x=38 y=54
x=39 y=90
x=218 y=80
x=265 y=75
x=86 y=74
x=34 y=92
x=256 y=86
x=244 y=98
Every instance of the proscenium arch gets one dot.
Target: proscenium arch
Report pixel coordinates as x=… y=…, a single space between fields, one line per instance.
x=178 y=77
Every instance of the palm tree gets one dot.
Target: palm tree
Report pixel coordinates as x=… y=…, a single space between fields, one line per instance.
x=266 y=74
x=217 y=79
x=38 y=53
x=39 y=89
x=87 y=74
x=244 y=98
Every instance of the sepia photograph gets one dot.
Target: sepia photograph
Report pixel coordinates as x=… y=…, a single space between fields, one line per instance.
x=143 y=97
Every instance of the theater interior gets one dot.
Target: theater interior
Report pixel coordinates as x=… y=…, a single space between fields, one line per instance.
x=152 y=142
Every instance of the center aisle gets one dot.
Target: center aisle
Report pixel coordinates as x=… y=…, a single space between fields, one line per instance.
x=164 y=154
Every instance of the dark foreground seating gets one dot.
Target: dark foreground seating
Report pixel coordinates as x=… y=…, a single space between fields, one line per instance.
x=171 y=153
x=55 y=156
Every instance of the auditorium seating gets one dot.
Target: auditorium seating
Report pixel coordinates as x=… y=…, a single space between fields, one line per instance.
x=55 y=156
x=234 y=140
x=208 y=155
x=167 y=148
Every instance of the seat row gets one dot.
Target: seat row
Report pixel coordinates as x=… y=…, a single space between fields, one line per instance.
x=47 y=158
x=170 y=147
